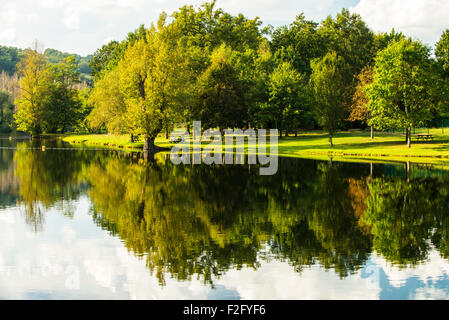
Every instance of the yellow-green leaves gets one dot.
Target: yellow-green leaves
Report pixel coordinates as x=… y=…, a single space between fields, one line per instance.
x=36 y=77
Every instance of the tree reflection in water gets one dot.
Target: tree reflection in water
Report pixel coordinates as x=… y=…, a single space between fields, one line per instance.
x=200 y=221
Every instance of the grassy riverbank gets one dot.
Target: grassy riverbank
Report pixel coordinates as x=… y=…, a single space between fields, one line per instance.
x=352 y=144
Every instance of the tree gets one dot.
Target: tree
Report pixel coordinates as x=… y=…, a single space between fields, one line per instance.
x=442 y=67
x=287 y=102
x=9 y=57
x=359 y=110
x=109 y=105
x=153 y=79
x=350 y=37
x=401 y=95
x=328 y=86
x=6 y=111
x=219 y=97
x=208 y=27
x=63 y=104
x=109 y=55
x=84 y=111
x=384 y=39
x=298 y=43
x=442 y=52
x=36 y=78
x=106 y=58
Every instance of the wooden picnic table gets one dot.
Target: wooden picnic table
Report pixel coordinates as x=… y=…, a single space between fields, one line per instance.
x=424 y=137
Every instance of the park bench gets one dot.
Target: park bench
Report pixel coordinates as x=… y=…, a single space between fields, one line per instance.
x=175 y=140
x=424 y=137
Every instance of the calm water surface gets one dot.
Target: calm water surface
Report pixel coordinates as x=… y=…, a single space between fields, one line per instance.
x=85 y=224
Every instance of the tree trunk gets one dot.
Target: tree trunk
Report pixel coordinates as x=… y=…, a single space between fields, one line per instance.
x=372 y=132
x=132 y=138
x=331 y=141
x=296 y=132
x=409 y=138
x=166 y=134
x=149 y=144
x=408 y=171
x=148 y=156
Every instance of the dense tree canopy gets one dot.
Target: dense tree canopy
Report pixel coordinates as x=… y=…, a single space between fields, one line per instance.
x=401 y=95
x=48 y=101
x=202 y=63
x=327 y=83
x=442 y=52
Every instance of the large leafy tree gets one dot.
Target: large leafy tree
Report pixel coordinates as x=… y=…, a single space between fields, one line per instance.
x=152 y=80
x=219 y=96
x=9 y=57
x=384 y=39
x=36 y=78
x=328 y=86
x=442 y=52
x=350 y=37
x=207 y=27
x=109 y=105
x=287 y=98
x=61 y=113
x=401 y=93
x=109 y=55
x=441 y=88
x=359 y=110
x=6 y=111
x=298 y=43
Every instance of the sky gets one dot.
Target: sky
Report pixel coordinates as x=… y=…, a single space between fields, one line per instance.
x=82 y=26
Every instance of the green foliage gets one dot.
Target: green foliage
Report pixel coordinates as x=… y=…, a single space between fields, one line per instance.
x=229 y=74
x=298 y=44
x=109 y=55
x=404 y=215
x=48 y=101
x=219 y=95
x=288 y=102
x=35 y=84
x=9 y=57
x=85 y=109
x=383 y=40
x=327 y=84
x=349 y=36
x=56 y=57
x=207 y=28
x=106 y=58
x=400 y=95
x=6 y=112
x=442 y=52
x=108 y=104
x=61 y=112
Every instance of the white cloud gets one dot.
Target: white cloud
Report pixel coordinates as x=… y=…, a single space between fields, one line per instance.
x=71 y=19
x=420 y=19
x=80 y=26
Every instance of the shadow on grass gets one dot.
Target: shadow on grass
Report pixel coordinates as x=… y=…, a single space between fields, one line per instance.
x=318 y=141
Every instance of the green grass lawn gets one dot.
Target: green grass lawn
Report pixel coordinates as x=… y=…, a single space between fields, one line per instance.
x=350 y=144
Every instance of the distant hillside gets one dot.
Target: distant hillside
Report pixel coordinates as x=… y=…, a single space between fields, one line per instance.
x=55 y=56
x=10 y=56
